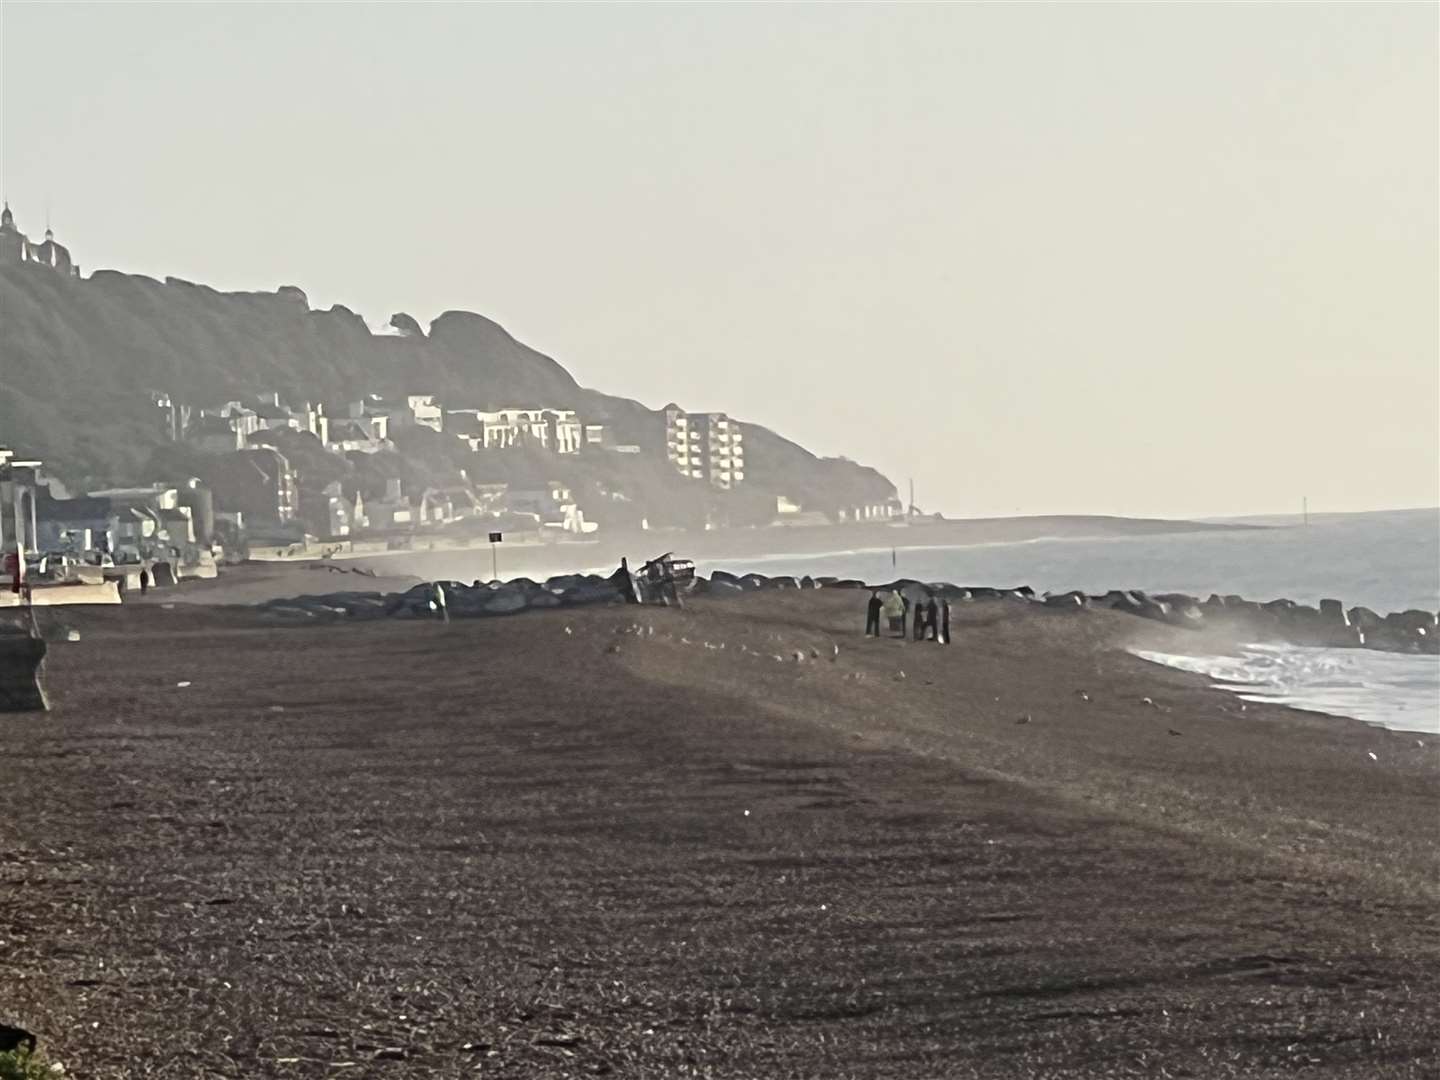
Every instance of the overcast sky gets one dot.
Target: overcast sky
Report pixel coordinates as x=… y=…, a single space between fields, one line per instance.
x=1140 y=259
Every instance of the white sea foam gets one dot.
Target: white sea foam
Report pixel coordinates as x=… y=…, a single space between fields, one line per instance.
x=1388 y=689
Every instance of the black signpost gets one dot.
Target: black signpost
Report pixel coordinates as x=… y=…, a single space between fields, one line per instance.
x=495 y=539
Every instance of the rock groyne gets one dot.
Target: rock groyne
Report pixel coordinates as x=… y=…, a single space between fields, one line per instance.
x=1330 y=623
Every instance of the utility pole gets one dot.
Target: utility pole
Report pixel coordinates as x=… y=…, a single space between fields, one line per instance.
x=911 y=510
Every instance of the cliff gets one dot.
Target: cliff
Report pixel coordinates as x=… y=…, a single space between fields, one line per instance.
x=80 y=359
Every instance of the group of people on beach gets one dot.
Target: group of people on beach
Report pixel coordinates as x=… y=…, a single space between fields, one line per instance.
x=930 y=617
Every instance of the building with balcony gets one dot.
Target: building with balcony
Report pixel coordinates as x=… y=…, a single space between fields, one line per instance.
x=705 y=446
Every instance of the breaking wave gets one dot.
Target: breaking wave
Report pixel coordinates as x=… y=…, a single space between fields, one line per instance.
x=1387 y=689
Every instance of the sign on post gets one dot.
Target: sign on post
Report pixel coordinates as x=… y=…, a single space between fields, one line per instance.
x=495 y=538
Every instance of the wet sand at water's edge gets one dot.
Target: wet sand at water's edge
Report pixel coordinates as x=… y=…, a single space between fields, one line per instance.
x=499 y=848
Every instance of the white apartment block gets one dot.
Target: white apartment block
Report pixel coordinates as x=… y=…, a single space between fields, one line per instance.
x=705 y=446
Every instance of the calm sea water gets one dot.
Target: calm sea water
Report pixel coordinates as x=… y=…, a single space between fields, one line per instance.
x=1387 y=561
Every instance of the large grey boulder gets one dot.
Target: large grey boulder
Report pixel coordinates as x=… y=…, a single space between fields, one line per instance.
x=592 y=592
x=725 y=586
x=1363 y=619
x=1412 y=620
x=505 y=600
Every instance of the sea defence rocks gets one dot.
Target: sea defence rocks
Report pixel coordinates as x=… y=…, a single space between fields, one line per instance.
x=1327 y=624
x=476 y=600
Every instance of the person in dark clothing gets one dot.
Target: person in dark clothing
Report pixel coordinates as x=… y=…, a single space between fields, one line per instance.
x=932 y=615
x=144 y=581
x=872 y=615
x=919 y=620
x=944 y=621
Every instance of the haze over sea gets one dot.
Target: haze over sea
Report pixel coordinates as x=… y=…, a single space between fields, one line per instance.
x=1387 y=561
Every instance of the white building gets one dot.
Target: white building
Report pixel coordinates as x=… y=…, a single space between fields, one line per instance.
x=422 y=410
x=557 y=430
x=705 y=446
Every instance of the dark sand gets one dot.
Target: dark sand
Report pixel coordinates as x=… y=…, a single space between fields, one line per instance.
x=499 y=849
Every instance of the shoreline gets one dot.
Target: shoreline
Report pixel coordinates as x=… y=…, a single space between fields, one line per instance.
x=785 y=542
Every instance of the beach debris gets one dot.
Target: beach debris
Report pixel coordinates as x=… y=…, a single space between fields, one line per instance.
x=183 y=683
x=1024 y=719
x=649 y=631
x=613 y=650
x=1372 y=755
x=72 y=635
x=799 y=656
x=277 y=708
x=1150 y=702
x=1082 y=695
x=747 y=813
x=834 y=652
x=814 y=653
x=777 y=658
x=568 y=631
x=900 y=675
x=1174 y=732
x=685 y=641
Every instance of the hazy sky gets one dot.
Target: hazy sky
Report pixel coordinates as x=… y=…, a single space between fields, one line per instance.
x=1139 y=259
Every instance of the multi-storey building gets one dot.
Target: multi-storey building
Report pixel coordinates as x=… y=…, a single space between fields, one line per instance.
x=705 y=446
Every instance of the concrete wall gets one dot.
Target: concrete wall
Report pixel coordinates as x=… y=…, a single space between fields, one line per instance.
x=107 y=592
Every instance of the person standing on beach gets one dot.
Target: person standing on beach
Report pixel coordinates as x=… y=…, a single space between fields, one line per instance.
x=944 y=638
x=872 y=615
x=894 y=607
x=144 y=582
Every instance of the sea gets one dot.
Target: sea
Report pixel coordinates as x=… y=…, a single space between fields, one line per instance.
x=1386 y=561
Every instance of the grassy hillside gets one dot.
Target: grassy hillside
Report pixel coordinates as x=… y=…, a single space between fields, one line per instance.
x=80 y=359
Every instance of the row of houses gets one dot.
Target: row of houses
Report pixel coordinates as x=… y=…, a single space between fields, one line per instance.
x=367 y=425
x=700 y=446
